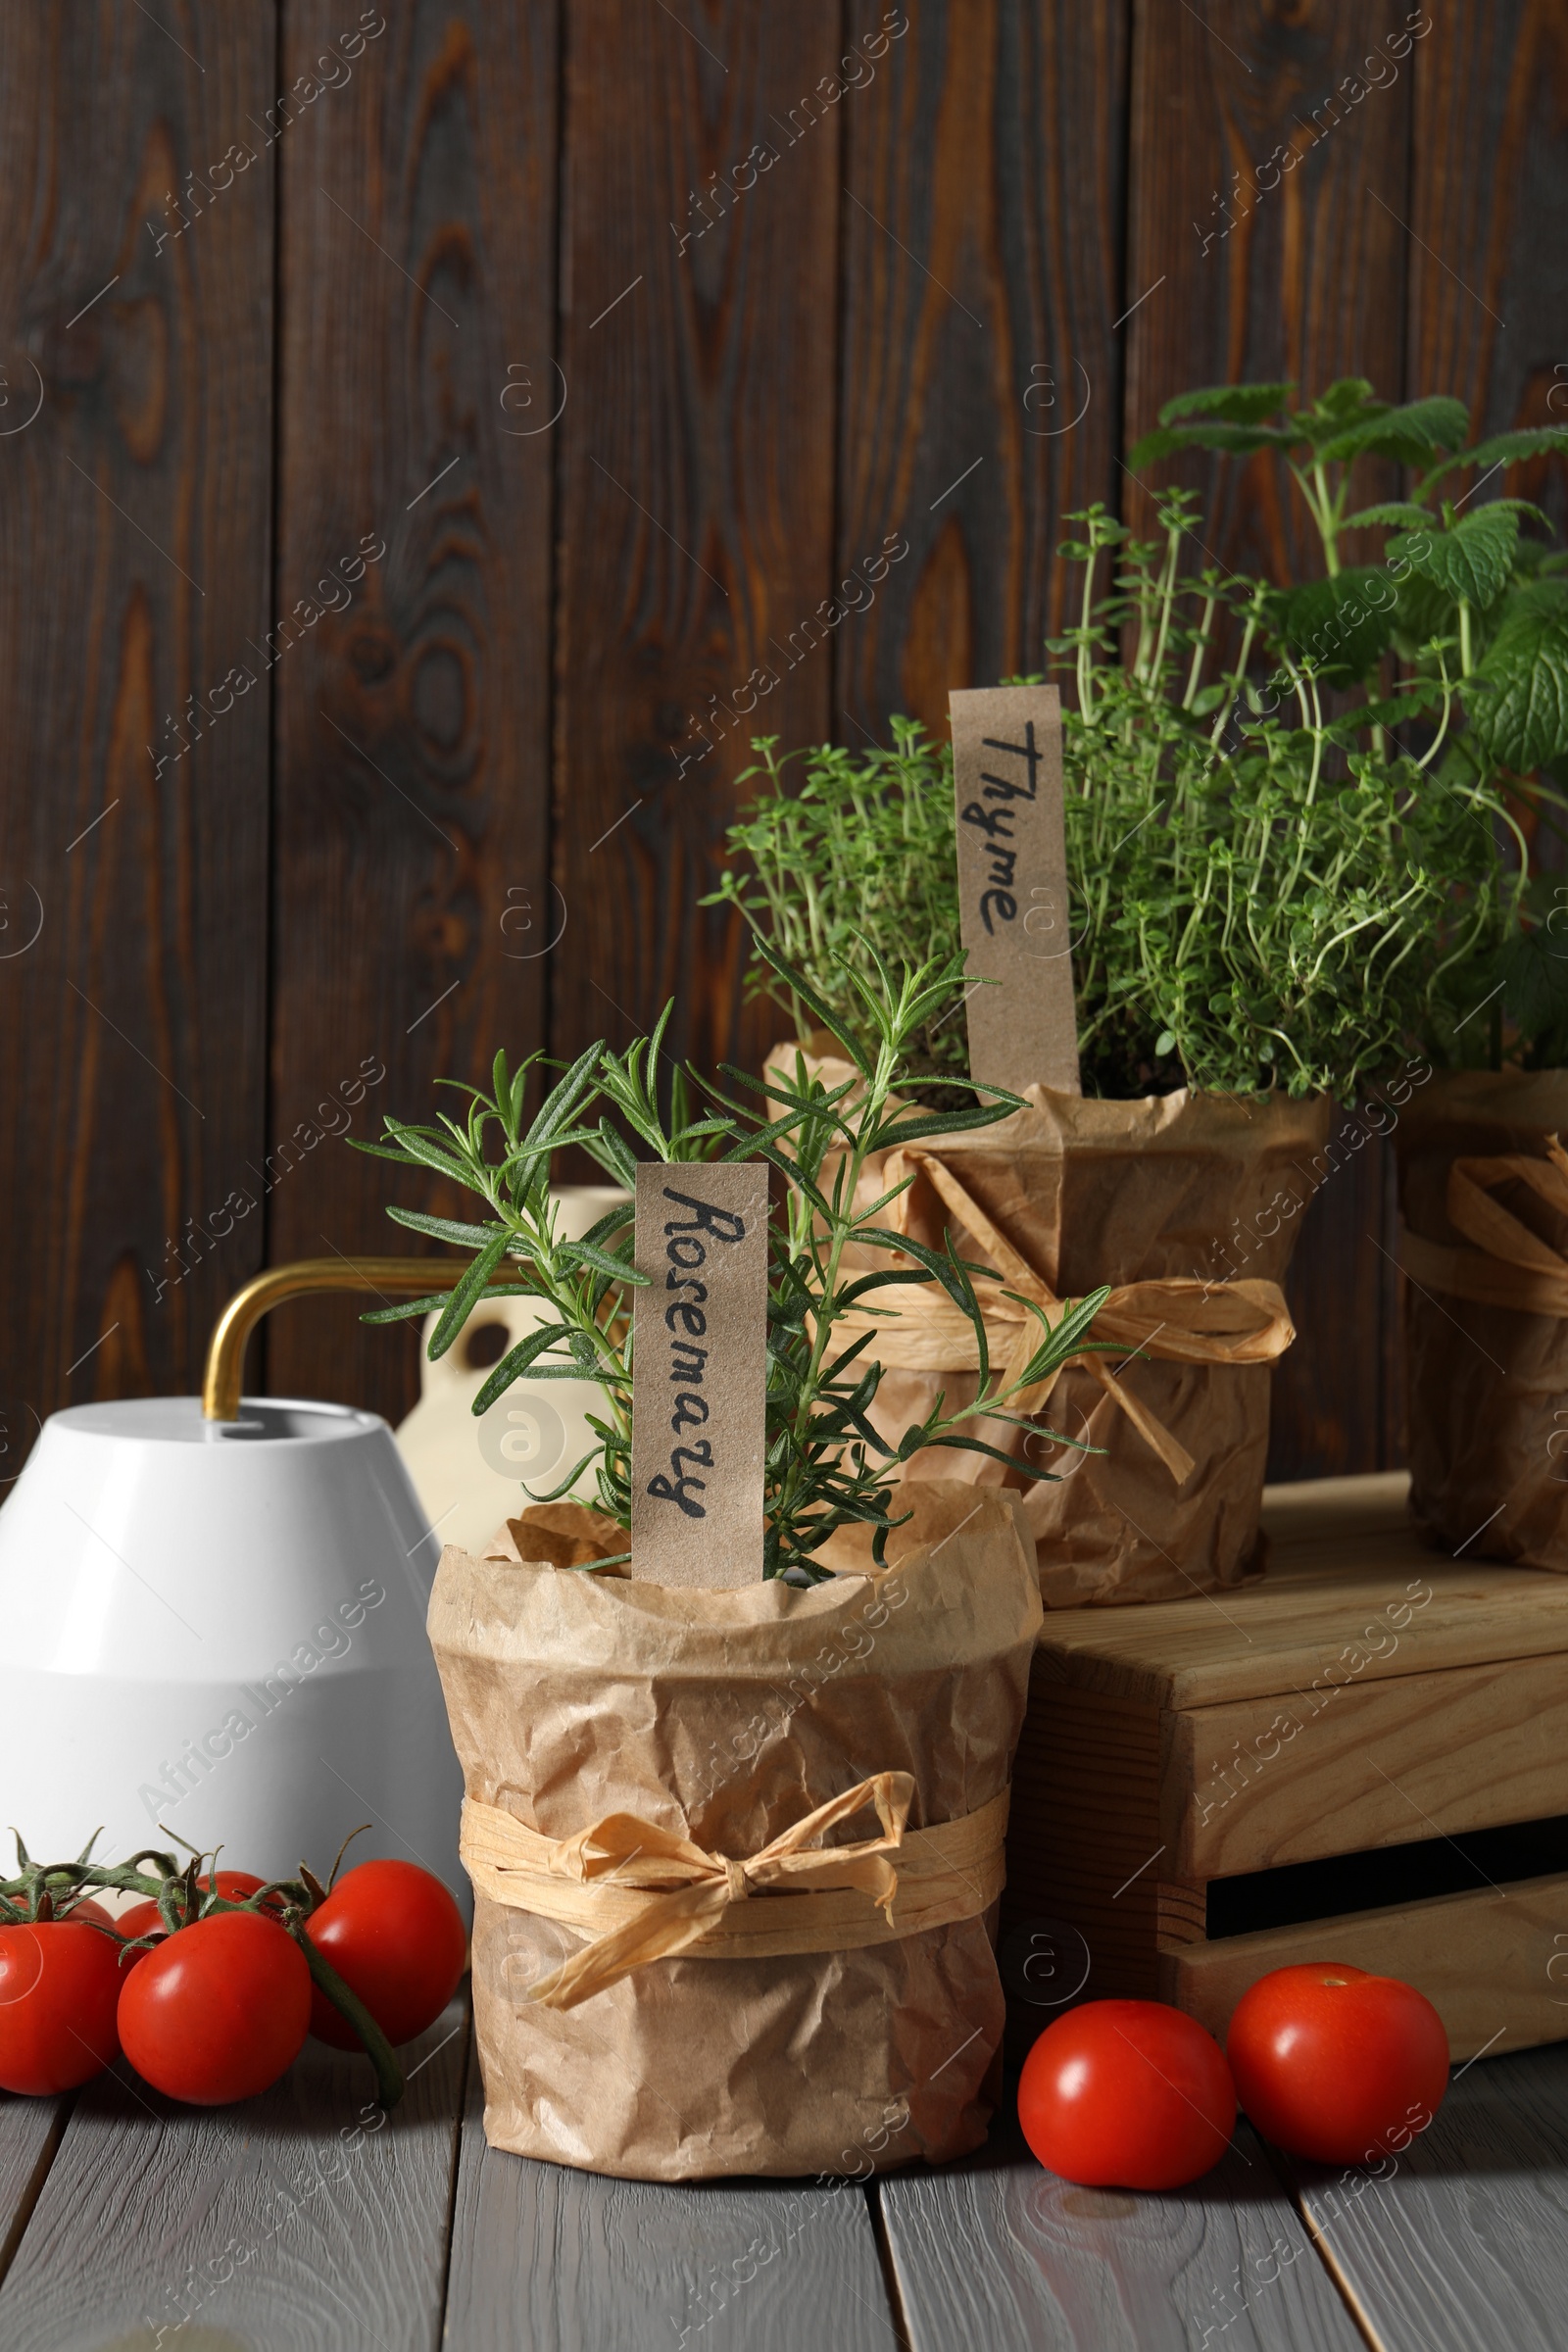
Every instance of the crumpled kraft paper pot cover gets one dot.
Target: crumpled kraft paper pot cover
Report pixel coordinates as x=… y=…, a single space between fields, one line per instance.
x=1091 y=1191
x=1485 y=1384
x=726 y=1717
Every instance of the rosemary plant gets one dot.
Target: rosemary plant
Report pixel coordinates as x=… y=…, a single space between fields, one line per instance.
x=827 y=1465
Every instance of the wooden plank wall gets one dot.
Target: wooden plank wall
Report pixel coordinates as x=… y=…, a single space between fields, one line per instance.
x=478 y=451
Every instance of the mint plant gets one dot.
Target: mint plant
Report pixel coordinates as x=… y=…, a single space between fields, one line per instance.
x=1476 y=608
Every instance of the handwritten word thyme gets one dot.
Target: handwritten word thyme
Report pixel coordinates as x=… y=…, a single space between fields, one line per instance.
x=996 y=824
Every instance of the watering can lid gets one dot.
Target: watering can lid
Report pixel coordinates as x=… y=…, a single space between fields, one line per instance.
x=179 y=1420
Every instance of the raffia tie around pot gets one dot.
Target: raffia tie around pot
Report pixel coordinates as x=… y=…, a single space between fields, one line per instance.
x=1509 y=1266
x=686 y=1962
x=1188 y=1206
x=1177 y=1321
x=645 y=1893
x=1483 y=1192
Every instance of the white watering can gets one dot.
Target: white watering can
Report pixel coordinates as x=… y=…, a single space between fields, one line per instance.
x=469 y=1473
x=212 y=1621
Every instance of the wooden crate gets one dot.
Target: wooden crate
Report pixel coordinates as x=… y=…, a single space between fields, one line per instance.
x=1360 y=1709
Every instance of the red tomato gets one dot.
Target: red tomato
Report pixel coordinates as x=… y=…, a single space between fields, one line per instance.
x=59 y=1990
x=1334 y=2063
x=1127 y=2094
x=397 y=1939
x=141 y=1919
x=219 y=2011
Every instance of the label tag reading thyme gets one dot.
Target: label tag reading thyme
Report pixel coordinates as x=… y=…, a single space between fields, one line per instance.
x=699 y=1362
x=1014 y=898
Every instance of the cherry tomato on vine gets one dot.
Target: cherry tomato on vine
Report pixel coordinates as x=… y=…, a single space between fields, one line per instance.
x=60 y=1987
x=1334 y=2063
x=1127 y=2094
x=219 y=2011
x=396 y=1938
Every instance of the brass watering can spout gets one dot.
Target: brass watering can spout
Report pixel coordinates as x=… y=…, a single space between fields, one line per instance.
x=390 y=1277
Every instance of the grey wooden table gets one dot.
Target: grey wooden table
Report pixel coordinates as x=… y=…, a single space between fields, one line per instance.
x=305 y=2222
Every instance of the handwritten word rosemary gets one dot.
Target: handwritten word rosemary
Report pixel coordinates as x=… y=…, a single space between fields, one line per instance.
x=686 y=1250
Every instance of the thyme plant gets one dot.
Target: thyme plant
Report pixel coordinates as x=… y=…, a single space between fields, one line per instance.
x=1255 y=881
x=848 y=864
x=826 y=1466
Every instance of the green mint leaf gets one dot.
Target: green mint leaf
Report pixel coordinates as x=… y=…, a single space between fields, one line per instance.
x=1154 y=445
x=1399 y=513
x=1406 y=434
x=1237 y=404
x=1472 y=561
x=1524 y=721
x=1505 y=448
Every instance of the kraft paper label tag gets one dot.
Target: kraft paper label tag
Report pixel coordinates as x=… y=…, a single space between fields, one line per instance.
x=699 y=1422
x=1014 y=898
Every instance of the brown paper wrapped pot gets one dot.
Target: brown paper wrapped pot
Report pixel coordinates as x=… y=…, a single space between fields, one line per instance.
x=1091 y=1192
x=725 y=1718
x=1487 y=1381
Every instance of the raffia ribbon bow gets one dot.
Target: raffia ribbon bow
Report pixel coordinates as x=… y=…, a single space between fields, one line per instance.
x=1509 y=1266
x=646 y=1893
x=1176 y=1319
